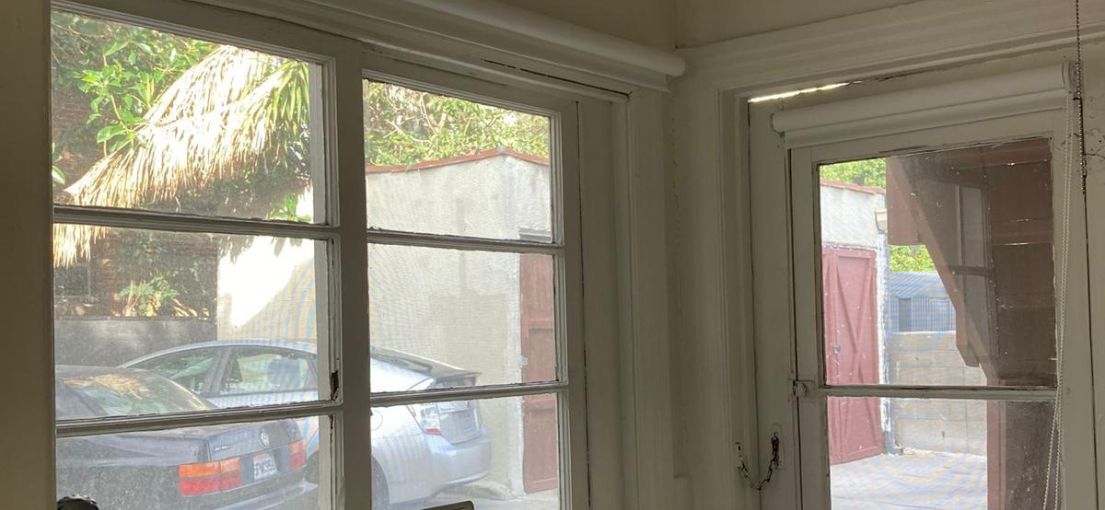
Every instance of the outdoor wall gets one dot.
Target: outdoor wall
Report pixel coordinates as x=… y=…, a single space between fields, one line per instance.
x=931 y=357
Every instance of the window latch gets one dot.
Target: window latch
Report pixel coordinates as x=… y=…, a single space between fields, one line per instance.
x=801 y=389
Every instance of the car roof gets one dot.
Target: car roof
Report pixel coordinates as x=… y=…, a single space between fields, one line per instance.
x=83 y=371
x=406 y=360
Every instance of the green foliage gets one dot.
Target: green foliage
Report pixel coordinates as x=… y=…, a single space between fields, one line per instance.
x=866 y=172
x=289 y=210
x=149 y=298
x=120 y=69
x=404 y=127
x=911 y=259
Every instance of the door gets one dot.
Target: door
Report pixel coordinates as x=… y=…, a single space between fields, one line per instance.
x=852 y=350
x=984 y=209
x=539 y=455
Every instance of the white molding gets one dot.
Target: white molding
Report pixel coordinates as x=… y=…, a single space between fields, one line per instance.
x=482 y=34
x=927 y=107
x=910 y=37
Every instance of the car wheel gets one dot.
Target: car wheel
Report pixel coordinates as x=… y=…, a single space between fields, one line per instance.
x=380 y=498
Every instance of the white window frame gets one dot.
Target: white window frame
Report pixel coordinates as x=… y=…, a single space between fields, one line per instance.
x=340 y=226
x=785 y=155
x=345 y=64
x=565 y=247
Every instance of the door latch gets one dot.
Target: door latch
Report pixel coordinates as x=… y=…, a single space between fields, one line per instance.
x=742 y=467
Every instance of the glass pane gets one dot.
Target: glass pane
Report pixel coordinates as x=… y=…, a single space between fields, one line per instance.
x=450 y=318
x=938 y=454
x=444 y=165
x=144 y=119
x=498 y=453
x=249 y=466
x=937 y=268
x=174 y=322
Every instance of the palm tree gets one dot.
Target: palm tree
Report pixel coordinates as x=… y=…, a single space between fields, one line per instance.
x=234 y=114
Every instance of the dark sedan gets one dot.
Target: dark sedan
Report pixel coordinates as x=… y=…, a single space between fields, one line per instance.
x=234 y=466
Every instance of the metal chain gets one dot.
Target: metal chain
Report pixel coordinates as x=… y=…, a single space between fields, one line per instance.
x=743 y=468
x=1076 y=152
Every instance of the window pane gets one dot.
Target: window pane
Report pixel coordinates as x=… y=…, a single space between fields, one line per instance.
x=247 y=466
x=177 y=322
x=443 y=165
x=143 y=119
x=938 y=454
x=499 y=453
x=449 y=318
x=937 y=268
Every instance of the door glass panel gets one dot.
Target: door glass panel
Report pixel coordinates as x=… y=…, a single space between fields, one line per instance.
x=499 y=453
x=905 y=454
x=937 y=268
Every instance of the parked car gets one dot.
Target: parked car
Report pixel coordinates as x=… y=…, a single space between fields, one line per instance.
x=417 y=450
x=231 y=467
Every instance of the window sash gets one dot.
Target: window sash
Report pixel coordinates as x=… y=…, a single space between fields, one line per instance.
x=345 y=64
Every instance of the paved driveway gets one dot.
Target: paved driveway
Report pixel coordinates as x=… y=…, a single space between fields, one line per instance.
x=911 y=481
x=538 y=501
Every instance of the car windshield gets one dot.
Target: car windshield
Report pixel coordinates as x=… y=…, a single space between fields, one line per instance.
x=134 y=393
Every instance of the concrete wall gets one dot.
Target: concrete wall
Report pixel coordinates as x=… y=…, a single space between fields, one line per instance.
x=706 y=21
x=931 y=357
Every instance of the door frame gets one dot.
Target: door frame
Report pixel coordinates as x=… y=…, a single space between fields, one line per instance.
x=784 y=198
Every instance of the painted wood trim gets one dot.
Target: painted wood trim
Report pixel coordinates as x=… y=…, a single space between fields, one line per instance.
x=27 y=475
x=639 y=175
x=482 y=34
x=919 y=35
x=926 y=107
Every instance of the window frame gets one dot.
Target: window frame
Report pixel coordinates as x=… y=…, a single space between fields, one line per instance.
x=338 y=227
x=802 y=418
x=565 y=246
x=345 y=63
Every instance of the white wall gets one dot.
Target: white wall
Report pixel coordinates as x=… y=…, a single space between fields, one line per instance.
x=708 y=21
x=648 y=22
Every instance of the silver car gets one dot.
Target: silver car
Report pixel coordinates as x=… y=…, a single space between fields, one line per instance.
x=417 y=450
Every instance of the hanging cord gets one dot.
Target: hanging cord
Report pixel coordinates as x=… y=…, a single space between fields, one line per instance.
x=743 y=468
x=1076 y=152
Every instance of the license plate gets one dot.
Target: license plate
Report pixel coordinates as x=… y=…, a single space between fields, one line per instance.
x=264 y=466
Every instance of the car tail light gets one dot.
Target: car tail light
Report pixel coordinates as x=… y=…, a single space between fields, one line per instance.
x=209 y=477
x=297 y=455
x=428 y=417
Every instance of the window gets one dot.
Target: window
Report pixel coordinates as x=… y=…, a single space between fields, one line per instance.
x=465 y=272
x=236 y=295
x=192 y=213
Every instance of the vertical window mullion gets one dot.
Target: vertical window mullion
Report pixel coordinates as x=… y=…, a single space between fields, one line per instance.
x=353 y=452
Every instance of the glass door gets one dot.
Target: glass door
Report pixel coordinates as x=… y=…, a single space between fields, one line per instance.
x=930 y=286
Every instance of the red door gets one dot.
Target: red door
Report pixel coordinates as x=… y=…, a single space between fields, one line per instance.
x=540 y=464
x=851 y=351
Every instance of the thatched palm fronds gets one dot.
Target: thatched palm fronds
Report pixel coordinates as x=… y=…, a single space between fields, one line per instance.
x=220 y=120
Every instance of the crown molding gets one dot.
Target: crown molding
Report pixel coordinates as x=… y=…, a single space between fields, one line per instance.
x=480 y=33
x=911 y=37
